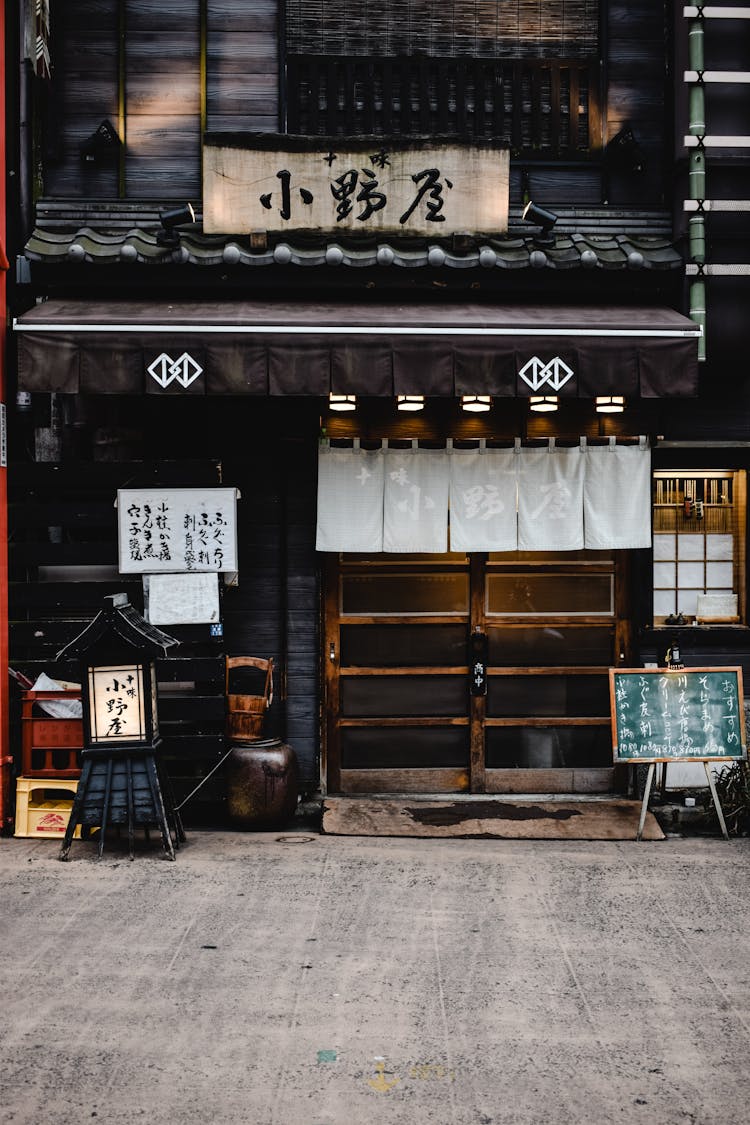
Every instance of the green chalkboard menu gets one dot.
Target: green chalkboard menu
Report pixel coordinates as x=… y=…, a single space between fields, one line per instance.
x=687 y=714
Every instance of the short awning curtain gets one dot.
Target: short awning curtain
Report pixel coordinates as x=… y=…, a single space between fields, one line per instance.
x=431 y=501
x=308 y=348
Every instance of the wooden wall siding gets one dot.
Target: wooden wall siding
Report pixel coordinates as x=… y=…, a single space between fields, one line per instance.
x=162 y=90
x=243 y=66
x=302 y=599
x=82 y=93
x=638 y=49
x=162 y=99
x=272 y=612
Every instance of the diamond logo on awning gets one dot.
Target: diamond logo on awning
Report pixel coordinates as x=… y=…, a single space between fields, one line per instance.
x=555 y=374
x=165 y=370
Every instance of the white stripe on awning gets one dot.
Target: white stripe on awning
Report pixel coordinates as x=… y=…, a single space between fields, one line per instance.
x=356 y=330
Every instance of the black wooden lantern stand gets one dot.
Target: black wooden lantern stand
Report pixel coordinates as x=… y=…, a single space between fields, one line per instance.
x=121 y=780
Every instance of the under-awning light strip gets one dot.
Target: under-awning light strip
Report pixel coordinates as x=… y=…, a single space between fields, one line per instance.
x=357 y=330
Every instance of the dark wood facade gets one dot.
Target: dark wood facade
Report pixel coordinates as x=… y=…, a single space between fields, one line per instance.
x=163 y=75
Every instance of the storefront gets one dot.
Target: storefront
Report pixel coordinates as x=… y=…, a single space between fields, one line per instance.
x=464 y=616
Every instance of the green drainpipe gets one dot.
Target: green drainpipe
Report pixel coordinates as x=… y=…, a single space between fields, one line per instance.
x=697 y=180
x=698 y=311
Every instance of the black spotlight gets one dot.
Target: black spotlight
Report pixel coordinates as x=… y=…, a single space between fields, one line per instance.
x=541 y=218
x=102 y=146
x=170 y=220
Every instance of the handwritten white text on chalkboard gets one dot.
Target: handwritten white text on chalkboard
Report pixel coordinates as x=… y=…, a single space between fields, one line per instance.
x=677 y=715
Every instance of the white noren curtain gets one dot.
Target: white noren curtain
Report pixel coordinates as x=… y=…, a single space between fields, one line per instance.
x=415 y=503
x=617 y=498
x=350 y=500
x=483 y=500
x=547 y=499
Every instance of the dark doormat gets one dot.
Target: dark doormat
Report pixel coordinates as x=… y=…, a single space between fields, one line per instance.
x=502 y=818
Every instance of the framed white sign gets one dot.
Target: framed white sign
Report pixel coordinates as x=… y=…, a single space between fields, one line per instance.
x=177 y=530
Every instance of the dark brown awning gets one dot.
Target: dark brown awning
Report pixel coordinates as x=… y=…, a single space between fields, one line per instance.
x=211 y=347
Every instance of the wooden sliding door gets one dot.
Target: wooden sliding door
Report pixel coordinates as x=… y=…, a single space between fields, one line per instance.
x=406 y=638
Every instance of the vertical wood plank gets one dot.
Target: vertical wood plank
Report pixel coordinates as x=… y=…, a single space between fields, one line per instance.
x=536 y=106
x=203 y=66
x=349 y=108
x=367 y=75
x=575 y=118
x=443 y=81
x=331 y=749
x=558 y=142
x=481 y=70
x=387 y=72
x=477 y=703
x=423 y=86
x=313 y=76
x=122 y=119
x=461 y=97
x=516 y=133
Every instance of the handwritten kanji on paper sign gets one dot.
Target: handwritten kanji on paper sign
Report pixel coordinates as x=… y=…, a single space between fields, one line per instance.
x=177 y=530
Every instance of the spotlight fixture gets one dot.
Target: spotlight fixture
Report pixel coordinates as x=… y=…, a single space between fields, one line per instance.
x=476 y=404
x=342 y=402
x=610 y=404
x=410 y=402
x=543 y=404
x=170 y=220
x=103 y=145
x=540 y=218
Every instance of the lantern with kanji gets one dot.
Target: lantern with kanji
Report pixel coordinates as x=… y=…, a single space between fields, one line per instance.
x=120 y=778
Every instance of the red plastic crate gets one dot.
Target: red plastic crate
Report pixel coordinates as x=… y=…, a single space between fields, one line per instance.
x=49 y=747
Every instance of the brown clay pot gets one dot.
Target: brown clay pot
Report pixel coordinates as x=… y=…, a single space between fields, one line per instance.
x=262 y=784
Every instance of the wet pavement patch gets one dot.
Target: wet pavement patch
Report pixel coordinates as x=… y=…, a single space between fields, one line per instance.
x=460 y=811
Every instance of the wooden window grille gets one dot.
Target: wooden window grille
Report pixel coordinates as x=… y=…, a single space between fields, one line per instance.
x=525 y=74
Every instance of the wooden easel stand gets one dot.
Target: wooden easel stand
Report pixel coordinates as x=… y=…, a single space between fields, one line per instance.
x=711 y=785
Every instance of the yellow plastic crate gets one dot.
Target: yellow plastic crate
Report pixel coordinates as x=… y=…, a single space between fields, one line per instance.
x=40 y=812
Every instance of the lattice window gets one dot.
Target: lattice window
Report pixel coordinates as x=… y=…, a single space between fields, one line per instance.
x=699 y=547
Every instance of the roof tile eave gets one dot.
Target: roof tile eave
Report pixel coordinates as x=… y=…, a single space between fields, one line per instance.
x=139 y=246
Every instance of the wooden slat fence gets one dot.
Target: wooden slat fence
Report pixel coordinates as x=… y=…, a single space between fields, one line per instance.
x=540 y=107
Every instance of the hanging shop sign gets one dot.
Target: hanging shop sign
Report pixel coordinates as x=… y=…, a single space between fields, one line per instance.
x=177 y=530
x=363 y=184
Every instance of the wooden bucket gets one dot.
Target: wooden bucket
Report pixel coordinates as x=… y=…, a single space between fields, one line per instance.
x=246 y=713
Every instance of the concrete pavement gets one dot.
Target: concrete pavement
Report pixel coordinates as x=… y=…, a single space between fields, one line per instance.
x=300 y=979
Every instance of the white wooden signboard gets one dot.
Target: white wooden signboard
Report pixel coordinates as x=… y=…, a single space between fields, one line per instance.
x=177 y=530
x=428 y=188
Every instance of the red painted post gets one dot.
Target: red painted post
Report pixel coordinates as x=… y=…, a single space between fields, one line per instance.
x=5 y=760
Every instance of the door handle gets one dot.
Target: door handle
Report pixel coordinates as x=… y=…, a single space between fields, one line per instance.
x=332 y=652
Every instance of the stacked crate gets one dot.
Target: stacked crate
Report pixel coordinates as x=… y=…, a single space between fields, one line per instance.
x=50 y=767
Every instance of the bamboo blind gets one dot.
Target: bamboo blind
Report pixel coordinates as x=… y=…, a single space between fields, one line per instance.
x=436 y=28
